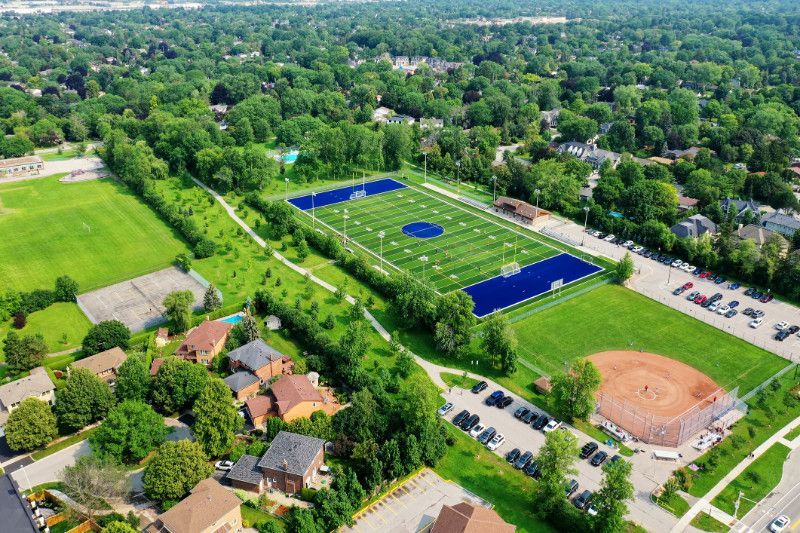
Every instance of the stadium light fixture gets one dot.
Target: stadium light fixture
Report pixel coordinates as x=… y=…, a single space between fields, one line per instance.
x=381 y=235
x=585 y=220
x=537 y=192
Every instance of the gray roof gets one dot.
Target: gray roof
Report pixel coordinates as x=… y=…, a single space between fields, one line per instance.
x=297 y=451
x=255 y=355
x=36 y=384
x=239 y=380
x=739 y=206
x=780 y=219
x=246 y=470
x=16 y=513
x=694 y=226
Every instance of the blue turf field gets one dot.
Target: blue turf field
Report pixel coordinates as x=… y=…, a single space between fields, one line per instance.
x=532 y=280
x=335 y=196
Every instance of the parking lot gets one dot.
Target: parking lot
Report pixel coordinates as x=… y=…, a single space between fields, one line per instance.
x=657 y=281
x=413 y=505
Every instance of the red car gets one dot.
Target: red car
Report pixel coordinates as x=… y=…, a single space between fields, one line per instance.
x=688 y=285
x=766 y=298
x=700 y=299
x=705 y=274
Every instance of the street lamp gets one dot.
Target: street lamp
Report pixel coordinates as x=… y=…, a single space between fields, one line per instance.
x=344 y=233
x=494 y=189
x=585 y=220
x=381 y=235
x=286 y=193
x=458 y=175
x=536 y=192
x=424 y=260
x=425 y=155
x=313 y=211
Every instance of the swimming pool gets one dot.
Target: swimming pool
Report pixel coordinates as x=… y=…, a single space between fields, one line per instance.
x=290 y=157
x=233 y=319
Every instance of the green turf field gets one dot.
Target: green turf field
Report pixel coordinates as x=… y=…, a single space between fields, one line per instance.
x=473 y=247
x=53 y=323
x=614 y=318
x=97 y=232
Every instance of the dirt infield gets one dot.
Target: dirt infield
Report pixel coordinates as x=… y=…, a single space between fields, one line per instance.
x=653 y=383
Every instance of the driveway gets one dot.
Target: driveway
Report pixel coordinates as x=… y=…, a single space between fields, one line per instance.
x=51 y=467
x=179 y=428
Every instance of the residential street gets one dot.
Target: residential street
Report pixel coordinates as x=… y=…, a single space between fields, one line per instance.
x=51 y=467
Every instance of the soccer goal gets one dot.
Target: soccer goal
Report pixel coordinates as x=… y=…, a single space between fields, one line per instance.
x=509 y=269
x=361 y=193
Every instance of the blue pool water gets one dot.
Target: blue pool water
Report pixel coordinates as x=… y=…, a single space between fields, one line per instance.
x=234 y=319
x=291 y=157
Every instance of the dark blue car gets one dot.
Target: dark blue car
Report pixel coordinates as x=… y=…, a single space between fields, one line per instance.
x=494 y=397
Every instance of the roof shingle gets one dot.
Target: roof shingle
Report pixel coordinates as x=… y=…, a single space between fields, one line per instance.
x=291 y=452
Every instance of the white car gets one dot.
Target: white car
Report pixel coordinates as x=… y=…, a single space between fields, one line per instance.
x=687 y=267
x=724 y=309
x=677 y=263
x=610 y=237
x=780 y=326
x=446 y=408
x=637 y=249
x=714 y=306
x=496 y=442
x=627 y=244
x=552 y=426
x=477 y=430
x=756 y=322
x=779 y=524
x=592 y=511
x=223 y=465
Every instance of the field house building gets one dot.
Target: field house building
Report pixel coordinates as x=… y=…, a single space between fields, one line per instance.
x=518 y=210
x=21 y=166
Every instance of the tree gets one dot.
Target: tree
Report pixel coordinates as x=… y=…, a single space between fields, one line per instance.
x=177 y=384
x=30 y=426
x=574 y=391
x=184 y=262
x=624 y=269
x=66 y=289
x=555 y=459
x=83 y=399
x=91 y=481
x=500 y=342
x=133 y=379
x=216 y=418
x=106 y=335
x=454 y=322
x=118 y=526
x=615 y=489
x=130 y=431
x=211 y=299
x=248 y=328
x=396 y=145
x=24 y=353
x=177 y=305
x=174 y=470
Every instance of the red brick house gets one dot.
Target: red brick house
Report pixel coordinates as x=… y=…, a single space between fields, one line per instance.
x=261 y=359
x=244 y=385
x=204 y=342
x=259 y=409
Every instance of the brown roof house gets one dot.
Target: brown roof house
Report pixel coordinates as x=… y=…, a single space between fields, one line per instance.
x=259 y=408
x=466 y=518
x=517 y=209
x=104 y=364
x=21 y=166
x=209 y=508
x=291 y=463
x=296 y=397
x=204 y=342
x=35 y=385
x=261 y=359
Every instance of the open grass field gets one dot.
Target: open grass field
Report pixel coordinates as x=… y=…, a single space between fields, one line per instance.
x=755 y=482
x=97 y=232
x=53 y=323
x=614 y=318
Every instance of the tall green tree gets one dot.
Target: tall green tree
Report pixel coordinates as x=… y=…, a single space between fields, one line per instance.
x=106 y=335
x=177 y=309
x=133 y=379
x=130 y=431
x=25 y=352
x=556 y=460
x=454 y=323
x=66 y=289
x=211 y=299
x=610 y=501
x=30 y=426
x=574 y=391
x=216 y=420
x=396 y=146
x=177 y=384
x=174 y=470
x=499 y=342
x=84 y=399
x=624 y=269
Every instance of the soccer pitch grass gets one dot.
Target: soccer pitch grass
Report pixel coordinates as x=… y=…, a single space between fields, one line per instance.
x=615 y=318
x=97 y=232
x=472 y=248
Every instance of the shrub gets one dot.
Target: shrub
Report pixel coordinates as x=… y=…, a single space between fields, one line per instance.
x=20 y=319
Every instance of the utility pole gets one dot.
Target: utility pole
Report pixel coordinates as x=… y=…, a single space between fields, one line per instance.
x=536 y=192
x=585 y=220
x=381 y=235
x=425 y=155
x=494 y=188
x=286 y=192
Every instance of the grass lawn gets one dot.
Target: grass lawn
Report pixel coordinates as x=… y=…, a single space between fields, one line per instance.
x=615 y=318
x=755 y=482
x=53 y=323
x=458 y=380
x=675 y=505
x=486 y=474
x=706 y=522
x=55 y=156
x=793 y=434
x=97 y=232
x=257 y=516
x=66 y=443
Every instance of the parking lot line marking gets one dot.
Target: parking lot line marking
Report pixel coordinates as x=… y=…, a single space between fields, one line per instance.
x=389 y=507
x=794 y=526
x=427 y=482
x=398 y=500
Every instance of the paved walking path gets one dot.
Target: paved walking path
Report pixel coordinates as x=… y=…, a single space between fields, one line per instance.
x=704 y=503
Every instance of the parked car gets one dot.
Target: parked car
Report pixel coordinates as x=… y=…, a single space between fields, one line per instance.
x=496 y=441
x=487 y=435
x=540 y=422
x=504 y=402
x=676 y=264
x=588 y=449
x=723 y=309
x=615 y=459
x=713 y=306
x=705 y=274
x=523 y=460
x=756 y=295
x=599 y=458
x=688 y=285
x=610 y=237
x=678 y=291
x=551 y=426
x=719 y=280
x=446 y=408
x=532 y=468
x=782 y=335
x=692 y=295
x=781 y=325
x=700 y=300
x=529 y=417
x=734 y=304
x=749 y=292
x=520 y=412
x=479 y=386
x=748 y=311
x=733 y=286
x=513 y=455
x=572 y=486
x=758 y=313
x=697 y=271
x=627 y=244
x=476 y=430
x=583 y=499
x=732 y=313
x=779 y=524
x=637 y=249
x=766 y=299
x=793 y=329
x=223 y=465
x=494 y=397
x=460 y=417
x=470 y=422
x=756 y=322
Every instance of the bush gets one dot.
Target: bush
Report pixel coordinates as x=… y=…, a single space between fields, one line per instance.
x=106 y=335
x=307 y=494
x=20 y=319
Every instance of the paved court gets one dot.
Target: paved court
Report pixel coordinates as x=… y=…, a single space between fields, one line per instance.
x=413 y=505
x=137 y=302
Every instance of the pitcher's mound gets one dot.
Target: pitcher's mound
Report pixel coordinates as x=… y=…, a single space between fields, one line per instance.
x=653 y=383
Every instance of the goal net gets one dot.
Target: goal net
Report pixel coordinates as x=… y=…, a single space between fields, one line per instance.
x=361 y=193
x=509 y=269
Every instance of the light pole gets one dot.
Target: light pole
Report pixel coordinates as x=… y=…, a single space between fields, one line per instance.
x=536 y=192
x=424 y=260
x=585 y=220
x=458 y=175
x=313 y=211
x=494 y=188
x=345 y=217
x=286 y=192
x=381 y=235
x=425 y=155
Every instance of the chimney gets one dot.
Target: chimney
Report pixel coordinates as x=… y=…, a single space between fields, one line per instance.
x=286 y=465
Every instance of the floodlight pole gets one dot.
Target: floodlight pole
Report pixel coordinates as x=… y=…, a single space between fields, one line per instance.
x=313 y=211
x=536 y=192
x=381 y=235
x=458 y=176
x=345 y=217
x=424 y=260
x=585 y=221
x=286 y=192
x=494 y=189
x=425 y=155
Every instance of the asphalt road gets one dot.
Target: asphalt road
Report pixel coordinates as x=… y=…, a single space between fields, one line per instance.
x=783 y=500
x=51 y=467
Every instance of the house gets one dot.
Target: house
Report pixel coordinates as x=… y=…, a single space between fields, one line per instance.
x=209 y=508
x=155 y=365
x=204 y=342
x=431 y=123
x=694 y=226
x=104 y=365
x=689 y=153
x=17 y=513
x=685 y=203
x=244 y=385
x=261 y=359
x=590 y=153
x=550 y=118
x=296 y=397
x=760 y=234
x=21 y=166
x=382 y=114
x=259 y=409
x=246 y=474
x=292 y=462
x=273 y=323
x=740 y=208
x=605 y=127
x=401 y=119
x=466 y=518
x=786 y=225
x=518 y=210
x=35 y=385
x=162 y=337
